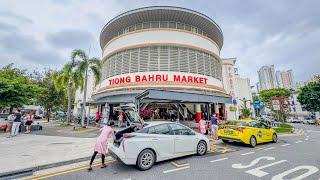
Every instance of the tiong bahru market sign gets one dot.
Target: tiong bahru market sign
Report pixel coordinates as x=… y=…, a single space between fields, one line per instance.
x=143 y=78
x=159 y=78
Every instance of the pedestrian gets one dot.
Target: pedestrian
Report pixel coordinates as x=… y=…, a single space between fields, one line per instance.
x=29 y=121
x=100 y=146
x=214 y=126
x=16 y=123
x=98 y=118
x=202 y=126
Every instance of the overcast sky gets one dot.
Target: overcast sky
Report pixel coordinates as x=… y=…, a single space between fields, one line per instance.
x=41 y=34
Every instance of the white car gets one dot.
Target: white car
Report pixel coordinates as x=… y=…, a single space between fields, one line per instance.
x=156 y=141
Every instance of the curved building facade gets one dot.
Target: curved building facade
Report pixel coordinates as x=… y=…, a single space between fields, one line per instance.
x=167 y=48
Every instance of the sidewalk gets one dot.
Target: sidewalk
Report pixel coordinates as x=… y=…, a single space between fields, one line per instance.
x=30 y=151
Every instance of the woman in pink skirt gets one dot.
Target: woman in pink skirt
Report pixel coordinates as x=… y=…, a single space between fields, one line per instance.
x=101 y=144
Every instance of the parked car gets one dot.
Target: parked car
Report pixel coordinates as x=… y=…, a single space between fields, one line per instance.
x=250 y=132
x=143 y=144
x=310 y=121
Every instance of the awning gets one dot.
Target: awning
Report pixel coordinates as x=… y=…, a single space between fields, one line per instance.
x=165 y=96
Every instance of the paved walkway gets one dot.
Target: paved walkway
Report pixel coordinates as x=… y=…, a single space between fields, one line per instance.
x=26 y=151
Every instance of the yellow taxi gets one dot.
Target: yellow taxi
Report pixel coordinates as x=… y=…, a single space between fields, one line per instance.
x=247 y=131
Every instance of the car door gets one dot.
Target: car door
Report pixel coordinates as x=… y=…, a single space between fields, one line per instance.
x=163 y=141
x=267 y=134
x=184 y=139
x=257 y=131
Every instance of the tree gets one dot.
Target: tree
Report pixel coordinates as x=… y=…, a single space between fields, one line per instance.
x=280 y=94
x=267 y=95
x=49 y=96
x=68 y=79
x=15 y=88
x=309 y=95
x=82 y=71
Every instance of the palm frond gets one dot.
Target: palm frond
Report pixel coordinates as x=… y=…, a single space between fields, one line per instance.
x=78 y=53
x=95 y=62
x=97 y=74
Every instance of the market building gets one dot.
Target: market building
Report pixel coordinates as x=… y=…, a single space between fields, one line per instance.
x=168 y=50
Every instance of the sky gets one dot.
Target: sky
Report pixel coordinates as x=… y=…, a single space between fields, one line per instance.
x=38 y=34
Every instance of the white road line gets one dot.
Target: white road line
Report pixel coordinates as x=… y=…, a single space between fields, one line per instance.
x=260 y=148
x=269 y=148
x=298 y=141
x=306 y=139
x=284 y=145
x=307 y=136
x=177 y=169
x=247 y=153
x=216 y=160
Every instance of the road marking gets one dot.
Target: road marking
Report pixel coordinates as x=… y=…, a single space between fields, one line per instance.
x=266 y=149
x=284 y=145
x=45 y=176
x=259 y=173
x=177 y=169
x=311 y=170
x=216 y=160
x=179 y=165
x=262 y=148
x=224 y=150
x=306 y=139
x=247 y=153
x=298 y=141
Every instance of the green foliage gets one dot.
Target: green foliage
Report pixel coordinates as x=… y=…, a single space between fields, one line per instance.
x=266 y=95
x=16 y=89
x=49 y=96
x=245 y=112
x=283 y=128
x=309 y=95
x=281 y=115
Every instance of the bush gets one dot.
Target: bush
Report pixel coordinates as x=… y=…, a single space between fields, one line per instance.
x=283 y=128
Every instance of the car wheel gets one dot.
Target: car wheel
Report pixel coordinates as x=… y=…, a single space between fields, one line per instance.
x=201 y=148
x=253 y=141
x=274 y=138
x=146 y=159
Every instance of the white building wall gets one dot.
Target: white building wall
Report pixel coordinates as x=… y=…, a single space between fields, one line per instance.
x=79 y=97
x=243 y=91
x=228 y=83
x=158 y=36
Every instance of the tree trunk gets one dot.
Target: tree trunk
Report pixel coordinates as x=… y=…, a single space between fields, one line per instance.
x=11 y=109
x=69 y=101
x=84 y=99
x=48 y=114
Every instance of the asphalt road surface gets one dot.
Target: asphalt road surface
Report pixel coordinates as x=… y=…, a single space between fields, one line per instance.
x=293 y=157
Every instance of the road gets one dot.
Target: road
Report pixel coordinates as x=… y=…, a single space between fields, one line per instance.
x=292 y=157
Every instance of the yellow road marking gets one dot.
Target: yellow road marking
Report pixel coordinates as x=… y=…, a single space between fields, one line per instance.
x=43 y=176
x=179 y=165
x=224 y=150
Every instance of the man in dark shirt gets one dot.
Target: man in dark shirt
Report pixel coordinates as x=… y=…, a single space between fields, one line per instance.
x=16 y=123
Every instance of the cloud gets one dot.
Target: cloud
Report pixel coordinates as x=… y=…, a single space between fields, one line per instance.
x=71 y=38
x=11 y=15
x=5 y=27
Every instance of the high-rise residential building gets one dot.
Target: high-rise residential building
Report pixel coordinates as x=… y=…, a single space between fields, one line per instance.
x=267 y=78
x=278 y=80
x=284 y=79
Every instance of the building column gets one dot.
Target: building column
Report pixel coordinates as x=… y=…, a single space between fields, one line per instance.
x=216 y=110
x=198 y=112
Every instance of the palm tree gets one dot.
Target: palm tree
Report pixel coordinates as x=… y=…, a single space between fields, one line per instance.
x=69 y=79
x=94 y=64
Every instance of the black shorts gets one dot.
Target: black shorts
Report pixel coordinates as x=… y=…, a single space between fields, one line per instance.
x=28 y=123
